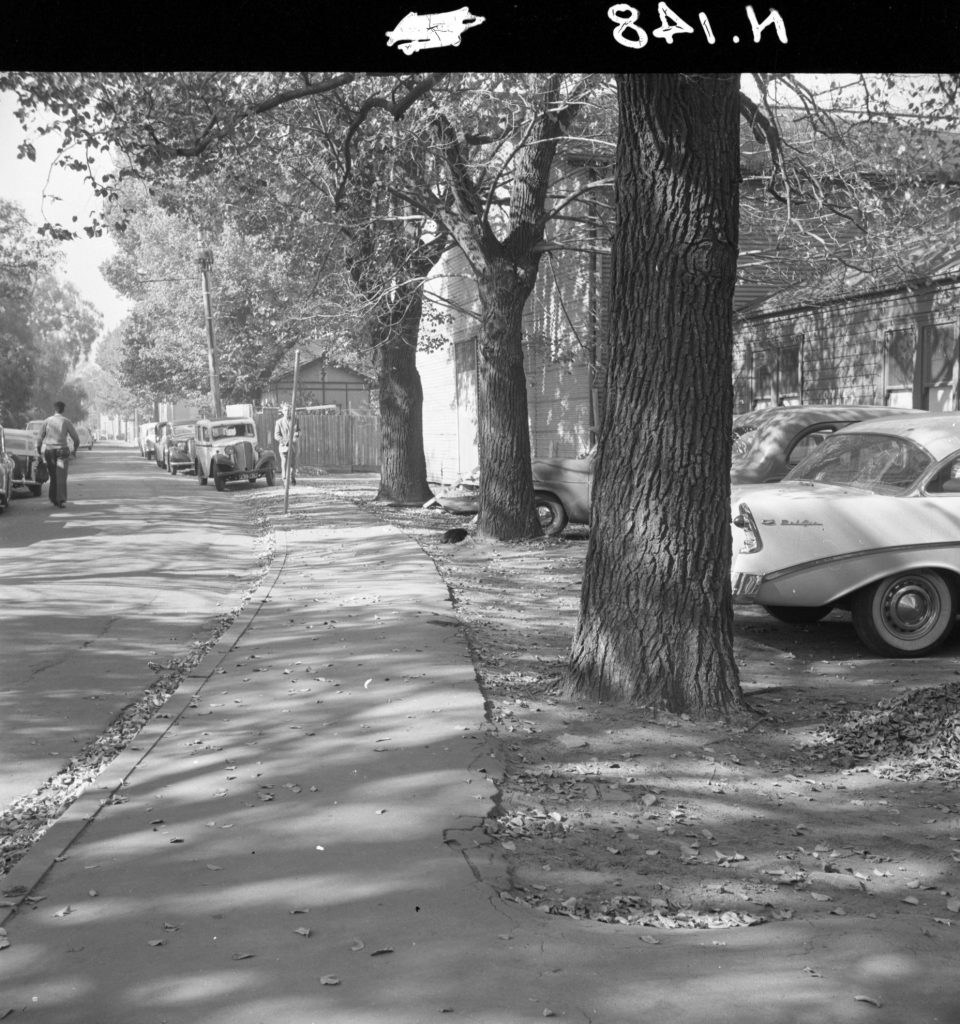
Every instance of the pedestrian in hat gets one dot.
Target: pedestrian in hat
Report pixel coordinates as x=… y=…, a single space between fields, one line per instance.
x=286 y=432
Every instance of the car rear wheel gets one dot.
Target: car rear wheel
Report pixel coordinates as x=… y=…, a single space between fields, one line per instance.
x=907 y=614
x=34 y=490
x=799 y=613
x=552 y=514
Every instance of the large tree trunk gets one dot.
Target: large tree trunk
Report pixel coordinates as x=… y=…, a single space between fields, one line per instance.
x=403 y=467
x=656 y=618
x=506 y=483
x=396 y=327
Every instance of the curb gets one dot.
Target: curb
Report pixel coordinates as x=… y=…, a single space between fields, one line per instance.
x=29 y=872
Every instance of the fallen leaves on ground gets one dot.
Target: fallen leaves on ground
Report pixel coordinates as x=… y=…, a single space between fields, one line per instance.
x=829 y=798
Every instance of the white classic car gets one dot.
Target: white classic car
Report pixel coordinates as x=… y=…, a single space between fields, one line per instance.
x=870 y=522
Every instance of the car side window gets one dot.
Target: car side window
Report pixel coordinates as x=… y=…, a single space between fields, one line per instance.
x=947 y=479
x=806 y=443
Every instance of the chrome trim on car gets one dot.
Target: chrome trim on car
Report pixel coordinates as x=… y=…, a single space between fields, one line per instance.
x=847 y=556
x=744 y=584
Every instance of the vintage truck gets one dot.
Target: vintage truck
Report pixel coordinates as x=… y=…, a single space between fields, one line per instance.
x=227 y=449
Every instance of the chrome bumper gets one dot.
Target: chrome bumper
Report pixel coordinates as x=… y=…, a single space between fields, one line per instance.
x=745 y=584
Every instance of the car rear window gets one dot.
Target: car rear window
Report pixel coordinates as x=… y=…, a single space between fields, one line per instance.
x=873 y=462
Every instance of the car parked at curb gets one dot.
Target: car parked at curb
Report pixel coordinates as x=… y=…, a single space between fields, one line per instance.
x=6 y=473
x=86 y=437
x=147 y=438
x=164 y=433
x=227 y=449
x=177 y=449
x=29 y=470
x=562 y=489
x=768 y=443
x=561 y=493
x=869 y=522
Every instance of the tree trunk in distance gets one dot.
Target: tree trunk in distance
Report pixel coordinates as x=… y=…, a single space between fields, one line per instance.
x=656 y=615
x=506 y=480
x=403 y=467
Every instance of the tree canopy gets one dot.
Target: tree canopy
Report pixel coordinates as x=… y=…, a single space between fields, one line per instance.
x=46 y=326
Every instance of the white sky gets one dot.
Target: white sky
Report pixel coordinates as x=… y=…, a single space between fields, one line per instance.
x=26 y=183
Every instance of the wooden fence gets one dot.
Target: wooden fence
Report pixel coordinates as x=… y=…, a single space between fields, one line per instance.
x=342 y=441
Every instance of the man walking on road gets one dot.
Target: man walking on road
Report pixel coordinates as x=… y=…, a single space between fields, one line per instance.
x=286 y=433
x=53 y=449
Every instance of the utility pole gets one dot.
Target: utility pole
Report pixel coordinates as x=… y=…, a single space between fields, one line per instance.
x=293 y=431
x=206 y=262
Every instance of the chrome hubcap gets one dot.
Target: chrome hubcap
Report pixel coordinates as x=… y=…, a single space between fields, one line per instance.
x=911 y=607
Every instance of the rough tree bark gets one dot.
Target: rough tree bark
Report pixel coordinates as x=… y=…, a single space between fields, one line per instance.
x=403 y=467
x=503 y=425
x=656 y=618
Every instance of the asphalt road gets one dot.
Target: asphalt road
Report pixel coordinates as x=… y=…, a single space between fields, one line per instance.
x=135 y=570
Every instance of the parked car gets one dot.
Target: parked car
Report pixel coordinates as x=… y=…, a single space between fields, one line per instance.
x=178 y=449
x=29 y=470
x=870 y=522
x=86 y=438
x=6 y=473
x=768 y=443
x=561 y=491
x=147 y=439
x=163 y=433
x=227 y=449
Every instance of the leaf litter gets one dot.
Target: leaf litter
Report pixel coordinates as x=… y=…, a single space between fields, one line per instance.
x=595 y=805
x=827 y=798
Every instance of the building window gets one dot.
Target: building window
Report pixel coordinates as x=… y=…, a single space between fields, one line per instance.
x=465 y=368
x=778 y=374
x=938 y=360
x=899 y=359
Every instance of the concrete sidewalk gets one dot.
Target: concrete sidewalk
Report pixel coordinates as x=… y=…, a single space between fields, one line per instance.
x=298 y=839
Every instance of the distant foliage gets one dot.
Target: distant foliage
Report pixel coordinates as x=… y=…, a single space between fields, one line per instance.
x=46 y=327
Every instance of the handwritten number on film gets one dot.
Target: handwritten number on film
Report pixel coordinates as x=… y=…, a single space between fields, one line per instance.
x=629 y=33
